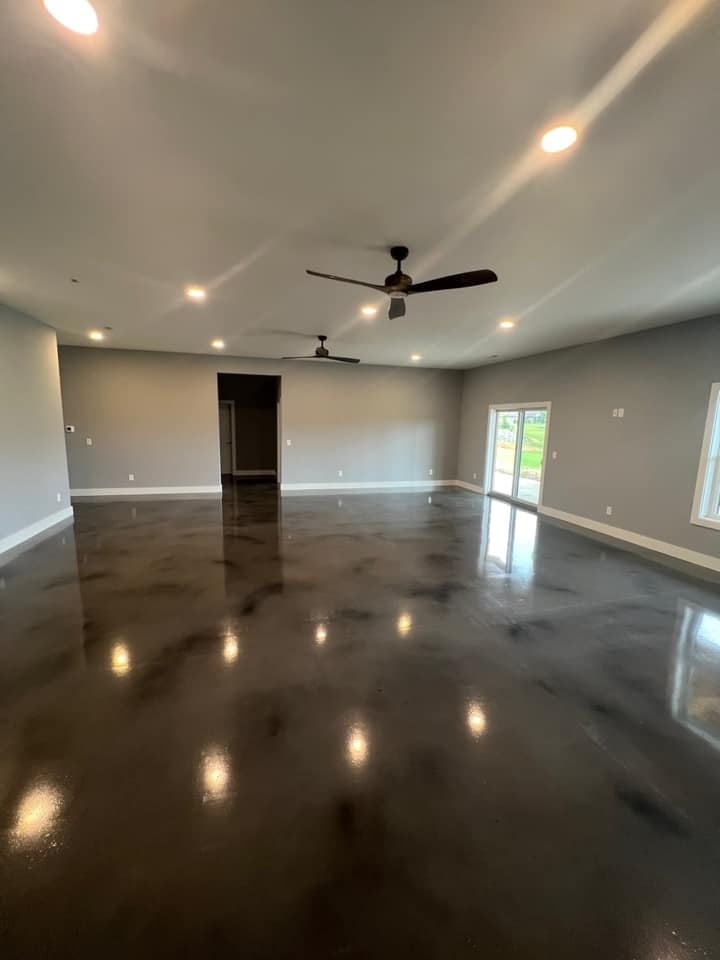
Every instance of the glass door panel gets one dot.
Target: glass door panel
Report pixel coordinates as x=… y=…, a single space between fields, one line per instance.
x=533 y=424
x=507 y=424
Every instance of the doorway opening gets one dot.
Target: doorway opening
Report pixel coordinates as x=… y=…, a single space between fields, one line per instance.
x=248 y=418
x=517 y=445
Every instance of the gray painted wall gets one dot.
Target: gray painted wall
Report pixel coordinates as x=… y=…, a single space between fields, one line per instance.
x=33 y=467
x=156 y=415
x=645 y=465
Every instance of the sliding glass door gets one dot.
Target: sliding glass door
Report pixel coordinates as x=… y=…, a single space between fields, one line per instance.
x=517 y=448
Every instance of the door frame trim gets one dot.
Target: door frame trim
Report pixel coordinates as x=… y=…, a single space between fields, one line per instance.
x=493 y=410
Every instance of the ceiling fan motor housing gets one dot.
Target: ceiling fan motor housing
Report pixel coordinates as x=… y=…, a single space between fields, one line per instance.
x=398 y=282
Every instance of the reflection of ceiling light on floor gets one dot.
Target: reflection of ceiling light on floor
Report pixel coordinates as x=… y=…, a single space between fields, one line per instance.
x=120 y=660
x=357 y=746
x=196 y=294
x=36 y=814
x=320 y=634
x=215 y=773
x=476 y=719
x=230 y=649
x=404 y=624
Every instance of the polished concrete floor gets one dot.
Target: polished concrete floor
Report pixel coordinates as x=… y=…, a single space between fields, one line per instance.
x=404 y=725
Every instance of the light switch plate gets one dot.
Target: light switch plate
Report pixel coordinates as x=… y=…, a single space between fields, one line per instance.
x=88 y=441
x=131 y=476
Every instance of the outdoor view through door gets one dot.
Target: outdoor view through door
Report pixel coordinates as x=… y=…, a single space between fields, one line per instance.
x=517 y=449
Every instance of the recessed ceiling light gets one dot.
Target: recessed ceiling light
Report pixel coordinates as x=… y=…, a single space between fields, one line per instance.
x=558 y=139
x=415 y=357
x=77 y=15
x=369 y=311
x=96 y=335
x=218 y=344
x=507 y=324
x=196 y=294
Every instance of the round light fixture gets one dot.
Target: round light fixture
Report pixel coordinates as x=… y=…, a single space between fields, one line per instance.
x=77 y=15
x=369 y=311
x=416 y=357
x=507 y=324
x=558 y=139
x=196 y=294
x=96 y=335
x=217 y=344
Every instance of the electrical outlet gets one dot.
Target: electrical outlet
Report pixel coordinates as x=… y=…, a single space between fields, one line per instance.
x=608 y=511
x=554 y=455
x=621 y=411
x=288 y=442
x=88 y=441
x=430 y=472
x=339 y=503
x=131 y=476
x=340 y=473
x=615 y=412
x=474 y=476
x=58 y=497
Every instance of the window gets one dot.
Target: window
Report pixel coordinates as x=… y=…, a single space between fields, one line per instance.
x=706 y=505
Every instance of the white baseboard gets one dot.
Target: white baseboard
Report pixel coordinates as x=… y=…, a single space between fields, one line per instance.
x=374 y=485
x=142 y=491
x=254 y=473
x=468 y=486
x=637 y=539
x=34 y=529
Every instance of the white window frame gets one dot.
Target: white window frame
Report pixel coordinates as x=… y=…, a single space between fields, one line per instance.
x=707 y=488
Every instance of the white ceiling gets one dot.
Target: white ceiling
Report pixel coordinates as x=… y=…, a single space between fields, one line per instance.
x=234 y=144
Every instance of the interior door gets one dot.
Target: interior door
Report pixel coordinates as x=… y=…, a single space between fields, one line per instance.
x=226 y=444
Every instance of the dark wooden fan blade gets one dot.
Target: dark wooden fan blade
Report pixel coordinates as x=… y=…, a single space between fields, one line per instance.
x=397 y=307
x=473 y=278
x=309 y=357
x=358 y=283
x=344 y=359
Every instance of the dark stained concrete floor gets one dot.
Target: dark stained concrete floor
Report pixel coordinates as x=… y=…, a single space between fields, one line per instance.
x=371 y=726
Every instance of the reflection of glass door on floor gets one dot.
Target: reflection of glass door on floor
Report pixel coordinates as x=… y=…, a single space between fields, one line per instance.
x=518 y=447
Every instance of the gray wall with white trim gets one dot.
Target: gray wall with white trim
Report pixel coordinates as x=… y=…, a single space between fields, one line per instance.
x=33 y=467
x=156 y=415
x=644 y=465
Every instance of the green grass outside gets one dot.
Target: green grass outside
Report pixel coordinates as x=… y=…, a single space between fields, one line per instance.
x=532 y=451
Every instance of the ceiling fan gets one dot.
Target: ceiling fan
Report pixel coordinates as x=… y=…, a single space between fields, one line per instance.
x=322 y=353
x=399 y=285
